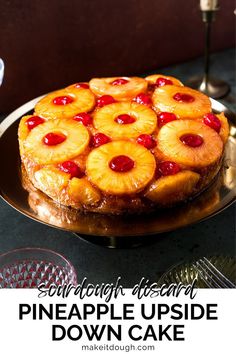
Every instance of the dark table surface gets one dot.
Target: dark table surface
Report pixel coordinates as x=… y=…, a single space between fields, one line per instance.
x=100 y=264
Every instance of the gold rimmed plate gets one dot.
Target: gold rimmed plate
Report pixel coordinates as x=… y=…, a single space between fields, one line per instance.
x=36 y=205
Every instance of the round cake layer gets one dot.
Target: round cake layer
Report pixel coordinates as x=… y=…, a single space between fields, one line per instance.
x=122 y=154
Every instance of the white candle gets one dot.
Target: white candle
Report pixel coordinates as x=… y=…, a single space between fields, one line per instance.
x=208 y=5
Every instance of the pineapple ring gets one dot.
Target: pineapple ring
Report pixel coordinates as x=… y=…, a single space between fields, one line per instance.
x=81 y=191
x=83 y=101
x=173 y=149
x=132 y=88
x=77 y=139
x=174 y=188
x=51 y=181
x=163 y=101
x=23 y=132
x=153 y=78
x=224 y=130
x=145 y=120
x=119 y=183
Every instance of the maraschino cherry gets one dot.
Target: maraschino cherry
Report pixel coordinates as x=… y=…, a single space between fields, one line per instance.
x=147 y=141
x=84 y=118
x=183 y=97
x=62 y=100
x=104 y=100
x=192 y=140
x=51 y=139
x=119 y=82
x=121 y=163
x=143 y=98
x=33 y=121
x=167 y=168
x=72 y=168
x=162 y=81
x=99 y=139
x=125 y=119
x=165 y=117
x=82 y=85
x=212 y=121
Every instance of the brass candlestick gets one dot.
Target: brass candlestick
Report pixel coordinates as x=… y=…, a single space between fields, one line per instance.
x=212 y=87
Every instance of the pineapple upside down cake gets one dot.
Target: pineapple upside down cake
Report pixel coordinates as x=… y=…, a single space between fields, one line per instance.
x=122 y=144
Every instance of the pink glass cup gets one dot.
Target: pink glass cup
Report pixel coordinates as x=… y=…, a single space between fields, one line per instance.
x=29 y=267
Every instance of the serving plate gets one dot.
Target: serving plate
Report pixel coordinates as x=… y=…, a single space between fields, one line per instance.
x=36 y=205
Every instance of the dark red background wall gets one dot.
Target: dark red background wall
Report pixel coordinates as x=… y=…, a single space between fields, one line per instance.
x=49 y=44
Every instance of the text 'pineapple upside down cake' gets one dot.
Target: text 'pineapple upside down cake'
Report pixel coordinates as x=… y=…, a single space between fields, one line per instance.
x=122 y=144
